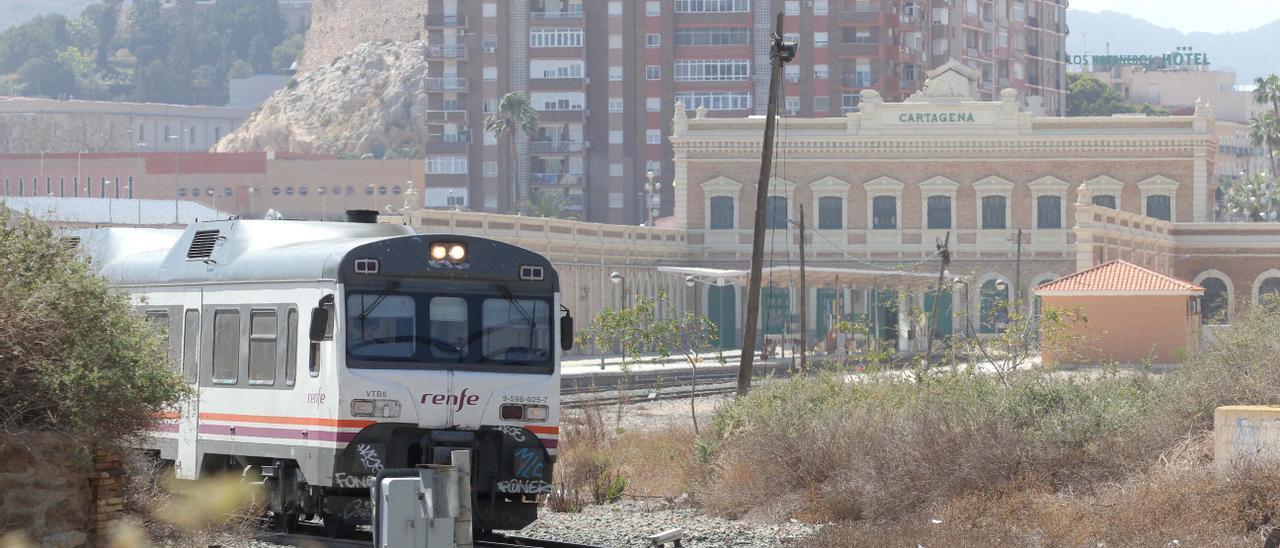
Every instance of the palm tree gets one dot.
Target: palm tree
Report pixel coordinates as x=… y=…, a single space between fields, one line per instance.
x=1264 y=133
x=1253 y=198
x=514 y=113
x=543 y=204
x=1266 y=91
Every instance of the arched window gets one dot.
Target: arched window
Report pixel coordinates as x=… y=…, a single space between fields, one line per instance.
x=1049 y=212
x=939 y=214
x=884 y=212
x=1158 y=207
x=1269 y=291
x=1213 y=305
x=775 y=212
x=993 y=212
x=993 y=309
x=830 y=212
x=1105 y=200
x=721 y=213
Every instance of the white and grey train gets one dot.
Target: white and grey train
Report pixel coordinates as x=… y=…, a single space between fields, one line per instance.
x=324 y=353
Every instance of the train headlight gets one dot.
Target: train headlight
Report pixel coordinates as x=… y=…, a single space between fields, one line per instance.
x=387 y=409
x=535 y=413
x=453 y=252
x=515 y=412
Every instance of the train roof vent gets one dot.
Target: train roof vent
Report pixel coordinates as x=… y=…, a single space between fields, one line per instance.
x=202 y=245
x=70 y=242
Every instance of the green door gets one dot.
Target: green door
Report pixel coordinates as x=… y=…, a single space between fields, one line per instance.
x=777 y=310
x=941 y=321
x=885 y=310
x=826 y=310
x=721 y=310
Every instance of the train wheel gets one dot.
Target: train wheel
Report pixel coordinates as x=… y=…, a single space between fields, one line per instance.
x=284 y=523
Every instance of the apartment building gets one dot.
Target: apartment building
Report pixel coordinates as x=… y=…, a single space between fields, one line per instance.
x=605 y=76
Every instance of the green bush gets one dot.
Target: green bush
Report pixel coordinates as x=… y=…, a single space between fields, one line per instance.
x=77 y=359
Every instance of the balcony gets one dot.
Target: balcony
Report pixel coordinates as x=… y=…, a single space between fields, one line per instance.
x=448 y=143
x=555 y=147
x=447 y=84
x=857 y=80
x=446 y=52
x=555 y=179
x=1033 y=22
x=447 y=116
x=565 y=15
x=438 y=21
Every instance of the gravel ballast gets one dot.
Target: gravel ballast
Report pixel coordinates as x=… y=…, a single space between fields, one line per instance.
x=630 y=523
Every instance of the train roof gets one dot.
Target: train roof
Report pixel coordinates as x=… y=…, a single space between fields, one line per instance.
x=230 y=250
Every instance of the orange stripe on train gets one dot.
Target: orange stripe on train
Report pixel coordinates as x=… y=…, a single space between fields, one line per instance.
x=298 y=421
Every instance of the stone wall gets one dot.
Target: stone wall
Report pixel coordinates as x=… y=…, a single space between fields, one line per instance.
x=338 y=26
x=55 y=495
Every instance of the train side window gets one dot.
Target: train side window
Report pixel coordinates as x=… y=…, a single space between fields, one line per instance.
x=226 y=346
x=291 y=348
x=263 y=335
x=322 y=313
x=191 y=345
x=159 y=320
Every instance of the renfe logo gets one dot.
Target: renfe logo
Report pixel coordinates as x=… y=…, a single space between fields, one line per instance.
x=451 y=400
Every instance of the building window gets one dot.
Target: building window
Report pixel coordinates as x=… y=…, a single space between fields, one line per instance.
x=830 y=213
x=706 y=70
x=993 y=310
x=1213 y=305
x=544 y=69
x=653 y=104
x=712 y=6
x=653 y=165
x=1268 y=291
x=993 y=212
x=615 y=136
x=615 y=73
x=1049 y=212
x=615 y=9
x=489 y=9
x=653 y=72
x=792 y=105
x=721 y=217
x=791 y=73
x=791 y=7
x=775 y=212
x=652 y=8
x=615 y=104
x=615 y=41
x=821 y=72
x=557 y=100
x=555 y=38
x=715 y=100
x=616 y=200
x=884 y=212
x=447 y=165
x=939 y=214
x=490 y=169
x=652 y=40
x=821 y=103
x=615 y=169
x=849 y=102
x=1158 y=207
x=712 y=36
x=1105 y=200
x=820 y=7
x=653 y=136
x=490 y=73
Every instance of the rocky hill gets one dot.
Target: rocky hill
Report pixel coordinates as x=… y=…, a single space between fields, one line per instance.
x=370 y=101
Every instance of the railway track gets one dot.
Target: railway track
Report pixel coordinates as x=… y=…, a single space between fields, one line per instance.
x=651 y=385
x=308 y=540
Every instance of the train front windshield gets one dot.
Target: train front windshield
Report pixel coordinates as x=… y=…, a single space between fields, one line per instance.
x=421 y=330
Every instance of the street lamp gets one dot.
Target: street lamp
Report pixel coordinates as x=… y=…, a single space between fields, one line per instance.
x=651 y=188
x=618 y=278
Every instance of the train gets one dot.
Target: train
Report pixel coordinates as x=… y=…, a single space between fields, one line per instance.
x=323 y=353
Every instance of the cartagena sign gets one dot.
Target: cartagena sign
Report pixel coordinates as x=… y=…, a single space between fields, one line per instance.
x=1181 y=57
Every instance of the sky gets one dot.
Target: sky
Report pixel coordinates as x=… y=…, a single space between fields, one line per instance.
x=1215 y=16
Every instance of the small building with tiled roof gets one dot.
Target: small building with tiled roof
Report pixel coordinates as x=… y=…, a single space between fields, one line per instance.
x=1130 y=314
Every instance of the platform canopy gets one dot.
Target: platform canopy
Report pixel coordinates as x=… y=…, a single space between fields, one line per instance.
x=815 y=276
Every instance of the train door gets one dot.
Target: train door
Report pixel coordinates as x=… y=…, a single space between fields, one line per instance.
x=187 y=463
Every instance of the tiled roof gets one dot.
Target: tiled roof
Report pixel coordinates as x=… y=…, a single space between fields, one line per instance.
x=1118 y=278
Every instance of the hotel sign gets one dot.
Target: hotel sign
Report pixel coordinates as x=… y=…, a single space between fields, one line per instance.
x=1182 y=57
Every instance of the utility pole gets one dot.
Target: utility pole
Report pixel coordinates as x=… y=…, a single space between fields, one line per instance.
x=1017 y=274
x=944 y=252
x=780 y=52
x=804 y=298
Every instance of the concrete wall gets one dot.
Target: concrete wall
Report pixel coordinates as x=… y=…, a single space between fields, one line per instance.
x=1126 y=329
x=55 y=495
x=1245 y=432
x=338 y=26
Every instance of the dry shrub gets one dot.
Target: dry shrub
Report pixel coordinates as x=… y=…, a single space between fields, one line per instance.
x=597 y=464
x=218 y=510
x=1183 y=499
